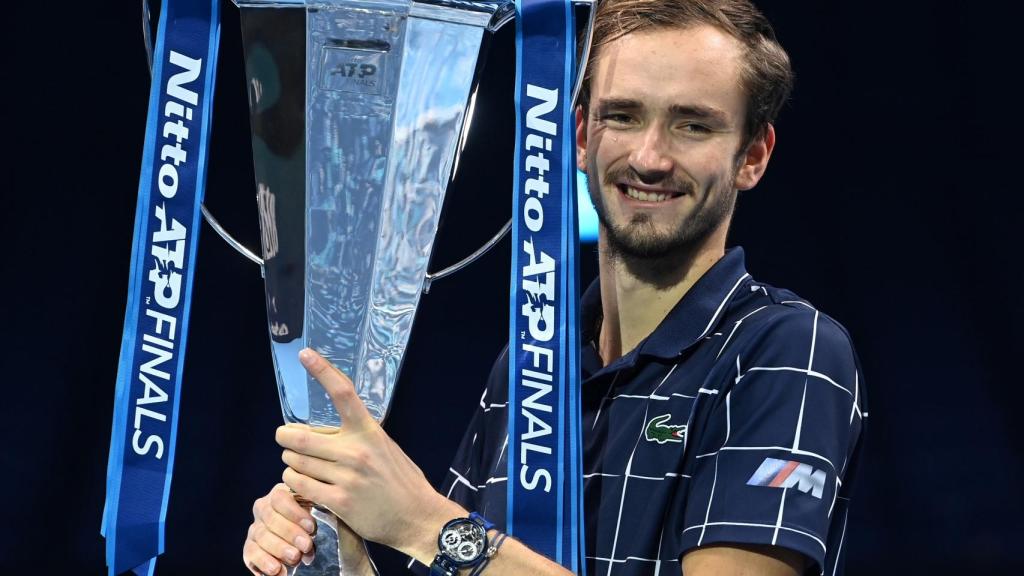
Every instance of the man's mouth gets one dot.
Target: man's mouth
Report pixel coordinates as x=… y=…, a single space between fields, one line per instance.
x=648 y=195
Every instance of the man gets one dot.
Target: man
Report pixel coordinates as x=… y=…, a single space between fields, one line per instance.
x=721 y=416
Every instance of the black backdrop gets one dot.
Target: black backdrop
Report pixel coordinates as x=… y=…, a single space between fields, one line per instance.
x=891 y=202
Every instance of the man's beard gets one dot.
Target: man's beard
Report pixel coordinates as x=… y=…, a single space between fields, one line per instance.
x=639 y=240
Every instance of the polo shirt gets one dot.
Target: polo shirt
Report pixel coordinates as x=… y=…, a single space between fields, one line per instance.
x=738 y=420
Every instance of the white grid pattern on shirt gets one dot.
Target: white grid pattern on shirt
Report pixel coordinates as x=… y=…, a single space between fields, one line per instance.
x=629 y=466
x=755 y=525
x=810 y=374
x=842 y=537
x=795 y=449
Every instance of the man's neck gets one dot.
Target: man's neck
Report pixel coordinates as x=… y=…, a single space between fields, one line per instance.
x=637 y=295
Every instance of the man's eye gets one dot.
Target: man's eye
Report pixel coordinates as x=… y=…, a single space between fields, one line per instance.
x=616 y=118
x=696 y=129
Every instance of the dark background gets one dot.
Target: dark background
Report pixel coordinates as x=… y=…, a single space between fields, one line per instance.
x=891 y=203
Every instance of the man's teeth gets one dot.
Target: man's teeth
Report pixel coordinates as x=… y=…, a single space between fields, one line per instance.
x=646 y=196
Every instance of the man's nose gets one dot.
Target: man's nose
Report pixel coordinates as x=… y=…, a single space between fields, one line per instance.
x=651 y=158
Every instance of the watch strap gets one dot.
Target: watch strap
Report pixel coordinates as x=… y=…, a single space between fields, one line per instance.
x=442 y=566
x=476 y=517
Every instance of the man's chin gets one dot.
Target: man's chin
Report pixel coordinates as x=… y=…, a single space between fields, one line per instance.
x=645 y=246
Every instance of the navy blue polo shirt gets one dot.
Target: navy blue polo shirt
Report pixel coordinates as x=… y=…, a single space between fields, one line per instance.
x=738 y=420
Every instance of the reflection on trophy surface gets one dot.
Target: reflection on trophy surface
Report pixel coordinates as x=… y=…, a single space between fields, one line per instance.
x=358 y=109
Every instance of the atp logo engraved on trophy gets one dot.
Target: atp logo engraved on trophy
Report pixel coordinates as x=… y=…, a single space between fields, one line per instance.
x=353 y=69
x=356 y=70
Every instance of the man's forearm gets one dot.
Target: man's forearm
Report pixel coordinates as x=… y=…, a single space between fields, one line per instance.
x=515 y=558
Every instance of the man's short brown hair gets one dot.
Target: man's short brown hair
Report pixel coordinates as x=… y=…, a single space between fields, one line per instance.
x=767 y=77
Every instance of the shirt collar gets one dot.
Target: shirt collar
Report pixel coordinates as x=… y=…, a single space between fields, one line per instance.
x=692 y=318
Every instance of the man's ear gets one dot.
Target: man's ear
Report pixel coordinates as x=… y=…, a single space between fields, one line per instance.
x=755 y=159
x=581 y=139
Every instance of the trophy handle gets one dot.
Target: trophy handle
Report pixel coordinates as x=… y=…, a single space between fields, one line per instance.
x=431 y=277
x=588 y=35
x=337 y=550
x=581 y=67
x=147 y=34
x=238 y=246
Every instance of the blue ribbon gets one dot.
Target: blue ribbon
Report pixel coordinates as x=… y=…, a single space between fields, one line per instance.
x=167 y=218
x=545 y=509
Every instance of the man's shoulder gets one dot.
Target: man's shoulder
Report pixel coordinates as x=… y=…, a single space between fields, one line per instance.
x=781 y=312
x=768 y=317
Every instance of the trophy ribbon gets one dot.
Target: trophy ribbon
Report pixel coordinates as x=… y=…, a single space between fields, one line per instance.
x=161 y=277
x=545 y=491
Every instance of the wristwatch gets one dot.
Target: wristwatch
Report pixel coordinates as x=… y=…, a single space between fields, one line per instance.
x=462 y=543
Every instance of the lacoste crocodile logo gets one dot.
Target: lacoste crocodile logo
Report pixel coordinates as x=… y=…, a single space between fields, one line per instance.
x=658 y=431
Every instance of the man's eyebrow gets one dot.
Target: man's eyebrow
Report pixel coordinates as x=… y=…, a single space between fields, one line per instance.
x=688 y=110
x=618 y=104
x=698 y=111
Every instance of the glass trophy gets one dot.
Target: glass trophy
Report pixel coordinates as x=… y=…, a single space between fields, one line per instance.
x=358 y=109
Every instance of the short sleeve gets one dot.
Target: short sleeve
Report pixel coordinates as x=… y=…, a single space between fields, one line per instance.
x=470 y=473
x=771 y=461
x=473 y=467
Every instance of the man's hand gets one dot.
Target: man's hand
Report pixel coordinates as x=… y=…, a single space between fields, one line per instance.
x=360 y=474
x=279 y=534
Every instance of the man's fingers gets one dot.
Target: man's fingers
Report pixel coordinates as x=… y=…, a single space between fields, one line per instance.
x=306 y=440
x=317 y=491
x=259 y=561
x=279 y=535
x=321 y=470
x=274 y=545
x=289 y=532
x=283 y=502
x=341 y=390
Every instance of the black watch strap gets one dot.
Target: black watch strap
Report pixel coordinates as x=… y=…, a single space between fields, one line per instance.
x=442 y=566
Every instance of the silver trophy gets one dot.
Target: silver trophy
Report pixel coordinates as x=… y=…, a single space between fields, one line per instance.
x=358 y=110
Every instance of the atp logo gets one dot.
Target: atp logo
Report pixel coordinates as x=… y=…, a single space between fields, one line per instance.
x=658 y=431
x=776 y=473
x=352 y=70
x=355 y=70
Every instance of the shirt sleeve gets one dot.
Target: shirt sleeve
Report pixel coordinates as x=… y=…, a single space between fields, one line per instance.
x=470 y=474
x=776 y=444
x=467 y=479
x=460 y=483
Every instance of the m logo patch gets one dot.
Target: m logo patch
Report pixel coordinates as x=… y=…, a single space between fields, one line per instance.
x=658 y=431
x=776 y=473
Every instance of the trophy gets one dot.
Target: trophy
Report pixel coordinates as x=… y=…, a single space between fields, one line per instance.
x=359 y=110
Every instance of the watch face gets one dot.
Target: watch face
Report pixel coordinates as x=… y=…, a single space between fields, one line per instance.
x=463 y=540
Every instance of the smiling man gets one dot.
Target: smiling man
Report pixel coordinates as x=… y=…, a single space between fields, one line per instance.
x=721 y=416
